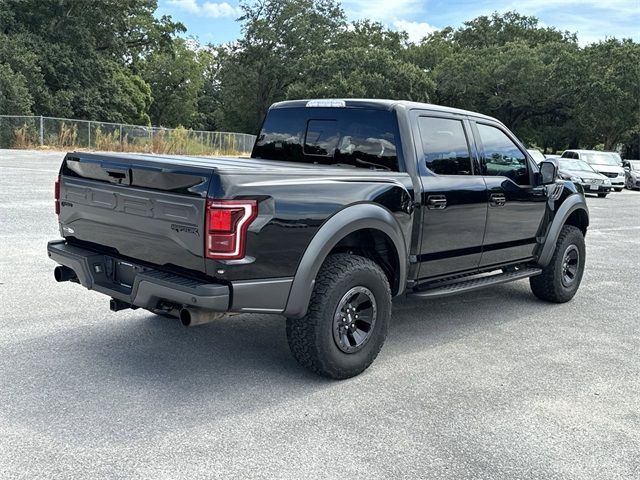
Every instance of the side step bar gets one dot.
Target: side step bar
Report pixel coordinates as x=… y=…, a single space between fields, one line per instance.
x=471 y=284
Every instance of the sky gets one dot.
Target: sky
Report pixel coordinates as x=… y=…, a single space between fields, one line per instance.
x=214 y=22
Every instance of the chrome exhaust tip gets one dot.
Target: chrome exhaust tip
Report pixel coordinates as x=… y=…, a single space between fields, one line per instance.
x=190 y=317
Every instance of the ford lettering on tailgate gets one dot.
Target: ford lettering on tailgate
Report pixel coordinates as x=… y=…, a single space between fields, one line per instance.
x=138 y=204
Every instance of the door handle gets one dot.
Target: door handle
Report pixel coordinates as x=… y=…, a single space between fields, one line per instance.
x=497 y=199
x=436 y=202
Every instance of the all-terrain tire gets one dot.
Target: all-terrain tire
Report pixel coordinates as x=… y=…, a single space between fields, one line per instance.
x=311 y=338
x=553 y=284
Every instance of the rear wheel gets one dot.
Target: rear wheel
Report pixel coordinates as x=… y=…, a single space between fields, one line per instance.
x=602 y=195
x=347 y=321
x=559 y=281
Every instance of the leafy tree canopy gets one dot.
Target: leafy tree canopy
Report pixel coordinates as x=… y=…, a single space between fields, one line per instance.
x=115 y=60
x=79 y=57
x=176 y=78
x=361 y=72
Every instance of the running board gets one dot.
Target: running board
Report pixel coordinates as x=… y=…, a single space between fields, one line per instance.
x=469 y=285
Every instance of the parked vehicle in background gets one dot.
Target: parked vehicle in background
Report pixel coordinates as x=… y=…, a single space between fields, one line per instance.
x=343 y=205
x=606 y=163
x=580 y=172
x=616 y=156
x=631 y=173
x=537 y=155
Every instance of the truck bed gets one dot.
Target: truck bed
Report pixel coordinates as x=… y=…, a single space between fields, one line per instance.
x=152 y=208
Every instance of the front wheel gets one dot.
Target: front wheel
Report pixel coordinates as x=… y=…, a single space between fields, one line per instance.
x=347 y=320
x=559 y=281
x=618 y=189
x=602 y=195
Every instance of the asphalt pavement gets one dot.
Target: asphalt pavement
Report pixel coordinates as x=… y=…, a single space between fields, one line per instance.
x=492 y=384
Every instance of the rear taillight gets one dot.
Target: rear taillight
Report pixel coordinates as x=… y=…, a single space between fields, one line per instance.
x=227 y=224
x=56 y=194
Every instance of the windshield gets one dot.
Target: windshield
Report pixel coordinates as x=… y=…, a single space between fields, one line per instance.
x=537 y=155
x=601 y=158
x=577 y=165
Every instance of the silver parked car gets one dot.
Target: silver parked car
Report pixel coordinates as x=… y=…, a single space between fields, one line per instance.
x=581 y=173
x=606 y=163
x=632 y=173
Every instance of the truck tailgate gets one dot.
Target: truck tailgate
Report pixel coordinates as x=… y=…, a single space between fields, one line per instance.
x=143 y=207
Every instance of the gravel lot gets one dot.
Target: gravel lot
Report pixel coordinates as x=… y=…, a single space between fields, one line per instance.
x=494 y=384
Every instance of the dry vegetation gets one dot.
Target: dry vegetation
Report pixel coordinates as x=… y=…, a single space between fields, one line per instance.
x=178 y=141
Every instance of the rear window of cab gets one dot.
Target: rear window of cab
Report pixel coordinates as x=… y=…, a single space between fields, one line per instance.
x=348 y=137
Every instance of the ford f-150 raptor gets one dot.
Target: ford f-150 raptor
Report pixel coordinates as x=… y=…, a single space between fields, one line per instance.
x=343 y=205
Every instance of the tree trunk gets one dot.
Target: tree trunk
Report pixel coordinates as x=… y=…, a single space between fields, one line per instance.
x=610 y=142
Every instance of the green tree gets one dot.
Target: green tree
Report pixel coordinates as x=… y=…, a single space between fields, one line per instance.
x=362 y=73
x=176 y=78
x=79 y=57
x=368 y=34
x=609 y=106
x=433 y=50
x=509 y=67
x=18 y=52
x=15 y=98
x=498 y=30
x=258 y=69
x=209 y=114
x=130 y=98
x=368 y=60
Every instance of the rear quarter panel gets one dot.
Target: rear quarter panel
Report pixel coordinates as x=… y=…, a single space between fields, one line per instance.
x=293 y=207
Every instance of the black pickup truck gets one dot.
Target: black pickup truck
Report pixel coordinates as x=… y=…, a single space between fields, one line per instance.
x=343 y=205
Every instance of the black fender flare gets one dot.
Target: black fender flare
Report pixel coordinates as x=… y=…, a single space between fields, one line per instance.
x=346 y=221
x=571 y=204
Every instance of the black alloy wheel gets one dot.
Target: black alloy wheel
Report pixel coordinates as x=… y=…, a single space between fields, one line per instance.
x=354 y=319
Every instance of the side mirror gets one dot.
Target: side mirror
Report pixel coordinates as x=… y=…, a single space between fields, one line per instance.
x=548 y=172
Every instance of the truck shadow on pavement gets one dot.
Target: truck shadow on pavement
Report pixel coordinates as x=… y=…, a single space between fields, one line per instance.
x=136 y=365
x=253 y=348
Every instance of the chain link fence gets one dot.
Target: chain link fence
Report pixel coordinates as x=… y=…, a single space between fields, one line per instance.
x=67 y=134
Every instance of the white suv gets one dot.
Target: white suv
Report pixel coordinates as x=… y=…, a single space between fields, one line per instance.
x=608 y=164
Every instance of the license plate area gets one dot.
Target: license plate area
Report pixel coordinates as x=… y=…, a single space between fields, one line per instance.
x=125 y=273
x=593 y=187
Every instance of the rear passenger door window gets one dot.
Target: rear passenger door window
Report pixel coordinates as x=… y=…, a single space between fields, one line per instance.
x=445 y=146
x=501 y=157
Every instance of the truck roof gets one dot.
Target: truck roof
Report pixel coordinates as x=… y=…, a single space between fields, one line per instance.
x=382 y=104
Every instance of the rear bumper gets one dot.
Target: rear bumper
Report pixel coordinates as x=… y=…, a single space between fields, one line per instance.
x=148 y=287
